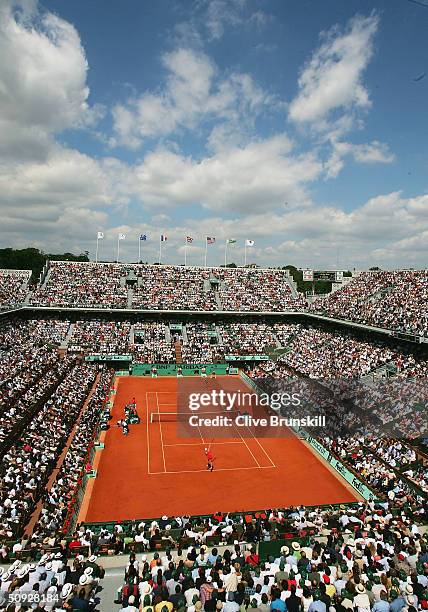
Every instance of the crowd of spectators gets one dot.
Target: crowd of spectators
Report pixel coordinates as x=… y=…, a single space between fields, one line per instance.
x=31 y=456
x=202 y=343
x=370 y=462
x=104 y=337
x=247 y=289
x=397 y=404
x=26 y=351
x=76 y=284
x=13 y=287
x=42 y=396
x=322 y=354
x=285 y=332
x=402 y=457
x=207 y=343
x=29 y=369
x=247 y=338
x=269 y=370
x=60 y=500
x=173 y=288
x=151 y=344
x=317 y=353
x=18 y=411
x=29 y=348
x=393 y=300
x=50 y=583
x=367 y=558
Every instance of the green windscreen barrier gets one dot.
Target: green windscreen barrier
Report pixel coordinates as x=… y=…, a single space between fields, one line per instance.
x=171 y=369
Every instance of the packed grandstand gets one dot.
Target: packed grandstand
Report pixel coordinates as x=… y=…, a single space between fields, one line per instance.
x=65 y=339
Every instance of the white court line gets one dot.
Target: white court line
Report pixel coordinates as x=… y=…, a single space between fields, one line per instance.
x=254 y=467
x=248 y=448
x=239 y=442
x=200 y=433
x=257 y=440
x=161 y=434
x=165 y=392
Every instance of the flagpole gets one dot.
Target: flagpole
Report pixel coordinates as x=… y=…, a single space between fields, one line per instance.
x=96 y=252
x=245 y=254
x=206 y=250
x=160 y=249
x=139 y=248
x=225 y=254
x=185 y=252
x=118 y=243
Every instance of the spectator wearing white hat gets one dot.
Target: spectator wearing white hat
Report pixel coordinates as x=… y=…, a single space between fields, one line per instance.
x=361 y=599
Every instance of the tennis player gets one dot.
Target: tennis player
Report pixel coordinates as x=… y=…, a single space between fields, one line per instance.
x=210 y=459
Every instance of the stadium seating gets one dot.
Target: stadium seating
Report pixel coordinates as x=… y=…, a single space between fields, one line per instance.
x=361 y=557
x=71 y=284
x=13 y=287
x=44 y=385
x=394 y=300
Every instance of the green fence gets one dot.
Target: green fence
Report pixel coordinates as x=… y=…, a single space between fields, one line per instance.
x=187 y=369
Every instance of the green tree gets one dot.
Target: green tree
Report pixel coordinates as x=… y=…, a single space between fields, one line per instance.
x=34 y=259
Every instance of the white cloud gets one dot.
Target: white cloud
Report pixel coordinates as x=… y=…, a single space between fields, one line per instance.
x=218 y=15
x=222 y=13
x=43 y=86
x=227 y=135
x=332 y=91
x=373 y=152
x=208 y=20
x=368 y=153
x=161 y=219
x=388 y=230
x=47 y=190
x=57 y=198
x=193 y=93
x=332 y=79
x=260 y=174
x=67 y=178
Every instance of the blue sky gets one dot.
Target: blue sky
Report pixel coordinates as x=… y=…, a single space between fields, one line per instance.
x=294 y=123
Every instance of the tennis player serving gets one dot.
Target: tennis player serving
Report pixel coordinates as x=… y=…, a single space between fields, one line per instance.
x=210 y=459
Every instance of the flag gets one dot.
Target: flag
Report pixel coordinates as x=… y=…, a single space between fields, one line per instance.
x=122 y=236
x=143 y=237
x=189 y=239
x=231 y=241
x=163 y=238
x=249 y=243
x=210 y=240
x=100 y=236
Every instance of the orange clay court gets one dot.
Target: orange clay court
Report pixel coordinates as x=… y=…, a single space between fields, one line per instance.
x=153 y=471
